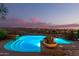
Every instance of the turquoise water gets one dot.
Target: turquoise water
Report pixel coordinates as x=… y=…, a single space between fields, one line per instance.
x=30 y=43
x=62 y=41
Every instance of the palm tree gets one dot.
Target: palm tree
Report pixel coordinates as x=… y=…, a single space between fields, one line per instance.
x=3 y=11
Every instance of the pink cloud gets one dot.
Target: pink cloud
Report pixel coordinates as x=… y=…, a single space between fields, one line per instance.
x=35 y=20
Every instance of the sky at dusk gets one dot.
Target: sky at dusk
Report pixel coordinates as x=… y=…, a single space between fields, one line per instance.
x=48 y=13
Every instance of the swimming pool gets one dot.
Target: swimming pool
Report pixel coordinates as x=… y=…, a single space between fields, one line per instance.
x=30 y=43
x=62 y=41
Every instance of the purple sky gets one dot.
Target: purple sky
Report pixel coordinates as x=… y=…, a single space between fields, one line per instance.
x=48 y=13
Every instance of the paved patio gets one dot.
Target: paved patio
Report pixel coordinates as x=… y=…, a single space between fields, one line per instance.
x=63 y=50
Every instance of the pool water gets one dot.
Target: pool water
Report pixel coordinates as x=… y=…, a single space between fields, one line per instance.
x=30 y=43
x=62 y=41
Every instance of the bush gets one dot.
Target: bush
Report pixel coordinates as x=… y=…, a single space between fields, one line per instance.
x=54 y=32
x=77 y=34
x=3 y=33
x=70 y=36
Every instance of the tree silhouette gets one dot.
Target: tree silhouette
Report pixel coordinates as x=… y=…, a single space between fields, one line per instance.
x=3 y=11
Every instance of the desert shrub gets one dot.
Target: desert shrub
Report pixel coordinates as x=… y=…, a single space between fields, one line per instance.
x=77 y=34
x=70 y=35
x=3 y=33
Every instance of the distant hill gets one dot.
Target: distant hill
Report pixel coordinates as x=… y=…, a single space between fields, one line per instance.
x=66 y=26
x=15 y=23
x=21 y=23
